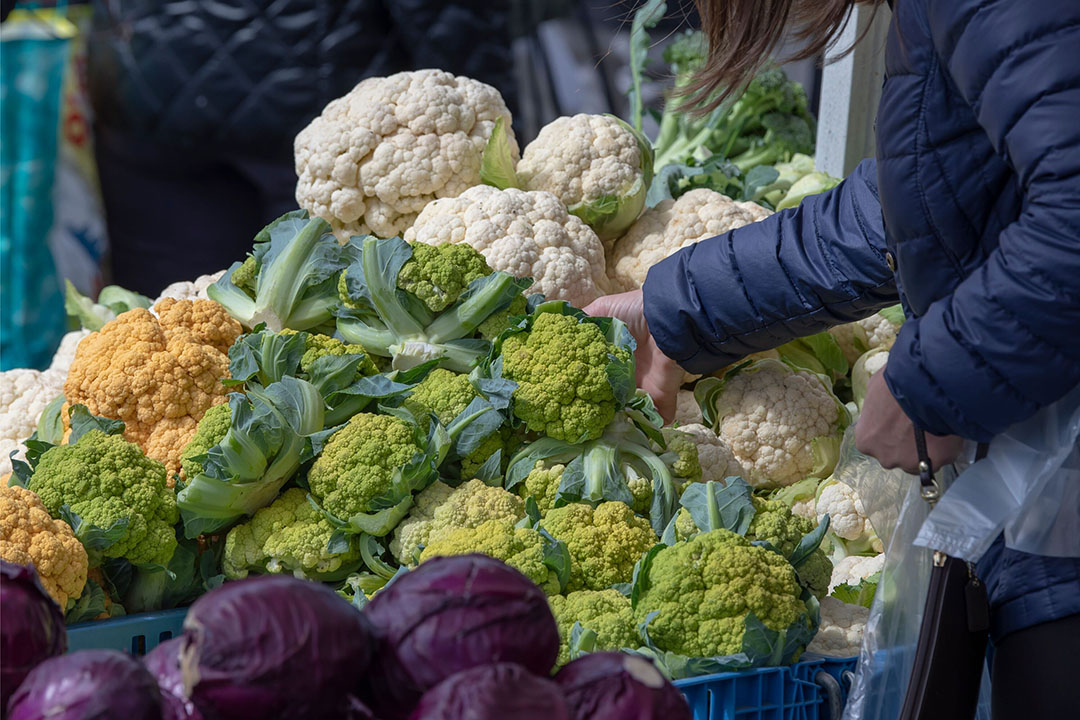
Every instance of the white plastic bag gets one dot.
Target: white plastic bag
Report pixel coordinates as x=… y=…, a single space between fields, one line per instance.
x=1028 y=486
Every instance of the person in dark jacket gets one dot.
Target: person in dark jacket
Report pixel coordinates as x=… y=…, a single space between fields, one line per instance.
x=197 y=105
x=969 y=215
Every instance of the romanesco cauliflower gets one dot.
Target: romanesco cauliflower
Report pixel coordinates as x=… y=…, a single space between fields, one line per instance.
x=604 y=542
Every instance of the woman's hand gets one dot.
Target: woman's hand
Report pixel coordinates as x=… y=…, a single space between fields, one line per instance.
x=657 y=374
x=884 y=432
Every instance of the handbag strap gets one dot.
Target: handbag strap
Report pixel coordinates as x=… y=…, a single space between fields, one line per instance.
x=930 y=489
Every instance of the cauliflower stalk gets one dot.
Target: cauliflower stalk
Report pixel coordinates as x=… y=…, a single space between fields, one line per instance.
x=671 y=226
x=723 y=601
x=376 y=156
x=30 y=536
x=385 y=317
x=156 y=374
x=781 y=423
x=591 y=621
x=287 y=536
x=114 y=497
x=597 y=165
x=604 y=542
x=529 y=234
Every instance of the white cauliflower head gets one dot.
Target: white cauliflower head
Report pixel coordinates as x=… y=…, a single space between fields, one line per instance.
x=847 y=516
x=853 y=569
x=716 y=459
x=65 y=354
x=687 y=411
x=782 y=424
x=190 y=289
x=672 y=225
x=527 y=234
x=877 y=331
x=596 y=164
x=376 y=156
x=23 y=396
x=841 y=631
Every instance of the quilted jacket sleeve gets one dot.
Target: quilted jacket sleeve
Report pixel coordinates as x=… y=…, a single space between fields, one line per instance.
x=1006 y=342
x=793 y=274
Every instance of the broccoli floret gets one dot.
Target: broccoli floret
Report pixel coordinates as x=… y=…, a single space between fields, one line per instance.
x=561 y=368
x=210 y=431
x=703 y=590
x=520 y=548
x=438 y=274
x=288 y=536
x=442 y=393
x=106 y=480
x=355 y=472
x=606 y=612
x=604 y=542
x=441 y=509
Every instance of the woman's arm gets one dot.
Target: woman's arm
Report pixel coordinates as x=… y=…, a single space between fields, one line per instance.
x=1007 y=341
x=796 y=273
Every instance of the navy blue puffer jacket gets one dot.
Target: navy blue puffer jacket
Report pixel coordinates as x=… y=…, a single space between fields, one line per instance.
x=974 y=199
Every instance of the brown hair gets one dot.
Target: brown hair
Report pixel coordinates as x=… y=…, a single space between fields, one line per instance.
x=741 y=35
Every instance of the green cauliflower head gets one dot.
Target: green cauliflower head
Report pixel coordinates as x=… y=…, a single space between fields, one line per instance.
x=357 y=465
x=606 y=612
x=703 y=590
x=289 y=536
x=604 y=542
x=520 y=548
x=210 y=431
x=442 y=393
x=440 y=509
x=438 y=274
x=560 y=367
x=542 y=485
x=105 y=479
x=317 y=345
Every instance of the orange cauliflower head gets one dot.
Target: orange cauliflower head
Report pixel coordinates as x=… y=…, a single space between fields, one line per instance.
x=157 y=374
x=29 y=536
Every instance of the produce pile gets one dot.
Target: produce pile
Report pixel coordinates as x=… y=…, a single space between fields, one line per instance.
x=399 y=373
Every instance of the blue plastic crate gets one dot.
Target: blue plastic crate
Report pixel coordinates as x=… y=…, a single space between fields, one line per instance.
x=137 y=634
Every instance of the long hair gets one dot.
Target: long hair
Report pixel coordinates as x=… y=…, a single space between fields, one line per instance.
x=742 y=34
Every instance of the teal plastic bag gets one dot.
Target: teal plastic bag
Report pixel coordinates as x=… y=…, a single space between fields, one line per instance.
x=34 y=47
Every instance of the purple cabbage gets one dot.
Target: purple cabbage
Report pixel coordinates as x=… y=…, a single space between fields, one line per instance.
x=493 y=692
x=616 y=686
x=273 y=646
x=32 y=629
x=451 y=614
x=88 y=685
x=164 y=663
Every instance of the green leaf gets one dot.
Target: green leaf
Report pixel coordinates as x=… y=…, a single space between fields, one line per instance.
x=894 y=314
x=639 y=582
x=339 y=543
x=89 y=314
x=803 y=489
x=120 y=300
x=757 y=178
x=475 y=424
x=381 y=522
x=83 y=422
x=371 y=552
x=87 y=606
x=532 y=514
x=497 y=162
x=556 y=558
x=810 y=542
x=715 y=506
x=819 y=353
x=490 y=473
x=95 y=539
x=50 y=426
x=266 y=356
x=645 y=18
x=582 y=641
x=861 y=594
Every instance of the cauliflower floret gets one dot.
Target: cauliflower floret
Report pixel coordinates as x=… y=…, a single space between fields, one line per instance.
x=672 y=225
x=848 y=518
x=65 y=354
x=441 y=509
x=687 y=410
x=876 y=331
x=210 y=431
x=781 y=424
x=190 y=289
x=376 y=156
x=587 y=161
x=527 y=234
x=606 y=612
x=542 y=484
x=287 y=536
x=714 y=455
x=853 y=569
x=841 y=630
x=23 y=396
x=604 y=542
x=29 y=536
x=703 y=589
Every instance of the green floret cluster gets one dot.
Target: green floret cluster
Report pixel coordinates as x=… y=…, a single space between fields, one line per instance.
x=605 y=612
x=438 y=274
x=542 y=485
x=210 y=431
x=288 y=536
x=106 y=480
x=317 y=345
x=561 y=368
x=243 y=277
x=703 y=590
x=441 y=509
x=520 y=548
x=497 y=323
x=442 y=393
x=357 y=466
x=682 y=456
x=604 y=542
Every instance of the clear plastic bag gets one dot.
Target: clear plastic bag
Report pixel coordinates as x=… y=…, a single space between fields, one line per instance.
x=1028 y=486
x=897 y=511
